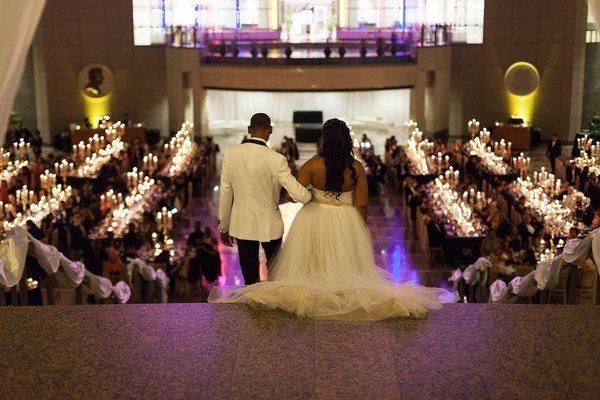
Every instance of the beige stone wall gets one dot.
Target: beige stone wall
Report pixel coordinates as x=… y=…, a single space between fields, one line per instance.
x=450 y=85
x=73 y=33
x=549 y=34
x=429 y=98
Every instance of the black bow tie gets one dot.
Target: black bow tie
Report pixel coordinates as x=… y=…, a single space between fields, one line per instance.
x=258 y=142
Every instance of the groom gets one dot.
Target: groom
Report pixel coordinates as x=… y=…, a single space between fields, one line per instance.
x=251 y=179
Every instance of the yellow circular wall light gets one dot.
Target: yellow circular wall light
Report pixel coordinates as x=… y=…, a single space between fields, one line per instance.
x=522 y=78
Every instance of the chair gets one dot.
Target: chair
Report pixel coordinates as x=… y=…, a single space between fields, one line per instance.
x=437 y=255
x=559 y=293
x=586 y=285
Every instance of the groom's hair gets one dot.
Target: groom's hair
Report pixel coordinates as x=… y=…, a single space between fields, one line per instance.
x=260 y=121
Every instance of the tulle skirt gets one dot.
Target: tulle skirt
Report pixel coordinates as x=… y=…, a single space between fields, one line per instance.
x=325 y=269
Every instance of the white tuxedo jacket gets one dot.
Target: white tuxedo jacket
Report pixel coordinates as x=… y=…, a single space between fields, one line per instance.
x=251 y=179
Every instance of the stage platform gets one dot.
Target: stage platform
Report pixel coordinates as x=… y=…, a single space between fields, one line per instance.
x=185 y=351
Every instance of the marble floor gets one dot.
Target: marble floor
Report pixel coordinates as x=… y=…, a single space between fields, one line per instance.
x=204 y=351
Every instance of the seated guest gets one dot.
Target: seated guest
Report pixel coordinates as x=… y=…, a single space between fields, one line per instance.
x=595 y=221
x=210 y=260
x=113 y=260
x=573 y=233
x=132 y=240
x=434 y=230
x=503 y=229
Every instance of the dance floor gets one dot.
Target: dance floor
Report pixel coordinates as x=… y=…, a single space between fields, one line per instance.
x=181 y=351
x=394 y=244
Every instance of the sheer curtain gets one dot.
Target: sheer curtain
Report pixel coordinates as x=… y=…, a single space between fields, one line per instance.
x=18 y=22
x=230 y=105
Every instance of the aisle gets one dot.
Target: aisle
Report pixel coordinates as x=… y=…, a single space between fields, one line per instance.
x=394 y=244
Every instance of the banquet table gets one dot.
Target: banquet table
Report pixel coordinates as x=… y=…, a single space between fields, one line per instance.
x=129 y=134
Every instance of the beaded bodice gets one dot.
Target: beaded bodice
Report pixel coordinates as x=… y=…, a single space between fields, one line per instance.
x=344 y=199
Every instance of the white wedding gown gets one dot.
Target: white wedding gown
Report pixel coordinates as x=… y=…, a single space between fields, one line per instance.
x=326 y=270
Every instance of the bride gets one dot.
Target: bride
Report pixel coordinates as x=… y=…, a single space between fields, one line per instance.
x=326 y=269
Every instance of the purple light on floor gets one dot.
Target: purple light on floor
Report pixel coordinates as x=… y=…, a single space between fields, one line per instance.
x=401 y=269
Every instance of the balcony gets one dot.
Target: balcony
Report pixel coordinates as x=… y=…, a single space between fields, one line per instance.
x=351 y=47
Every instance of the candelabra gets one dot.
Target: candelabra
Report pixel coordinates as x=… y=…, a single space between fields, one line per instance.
x=64 y=169
x=452 y=177
x=110 y=199
x=522 y=164
x=584 y=144
x=164 y=220
x=47 y=180
x=4 y=158
x=417 y=149
x=182 y=150
x=134 y=177
x=476 y=199
x=21 y=148
x=484 y=136
x=473 y=128
x=150 y=163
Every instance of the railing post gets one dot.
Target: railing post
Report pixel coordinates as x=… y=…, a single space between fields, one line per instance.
x=137 y=286
x=24 y=300
x=50 y=290
x=14 y=296
x=78 y=295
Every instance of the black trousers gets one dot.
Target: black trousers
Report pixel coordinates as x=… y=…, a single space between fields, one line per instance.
x=552 y=163
x=248 y=251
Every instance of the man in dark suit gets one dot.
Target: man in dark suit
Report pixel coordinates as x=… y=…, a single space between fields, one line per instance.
x=554 y=151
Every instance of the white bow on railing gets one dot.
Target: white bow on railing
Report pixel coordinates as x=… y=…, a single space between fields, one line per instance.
x=68 y=273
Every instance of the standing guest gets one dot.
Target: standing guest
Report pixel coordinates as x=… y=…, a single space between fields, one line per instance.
x=37 y=143
x=554 y=151
x=132 y=240
x=196 y=236
x=127 y=120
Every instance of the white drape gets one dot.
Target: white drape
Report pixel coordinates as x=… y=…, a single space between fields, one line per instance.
x=18 y=22
x=69 y=274
x=391 y=105
x=594 y=6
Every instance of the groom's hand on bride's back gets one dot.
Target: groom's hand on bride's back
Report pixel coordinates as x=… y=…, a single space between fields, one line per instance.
x=226 y=239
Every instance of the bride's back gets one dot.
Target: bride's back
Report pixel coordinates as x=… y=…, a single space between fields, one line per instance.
x=319 y=175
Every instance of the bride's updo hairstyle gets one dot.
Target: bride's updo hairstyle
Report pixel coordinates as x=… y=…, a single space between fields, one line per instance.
x=338 y=155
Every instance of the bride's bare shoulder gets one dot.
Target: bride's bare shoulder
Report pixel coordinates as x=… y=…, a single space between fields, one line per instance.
x=315 y=162
x=359 y=167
